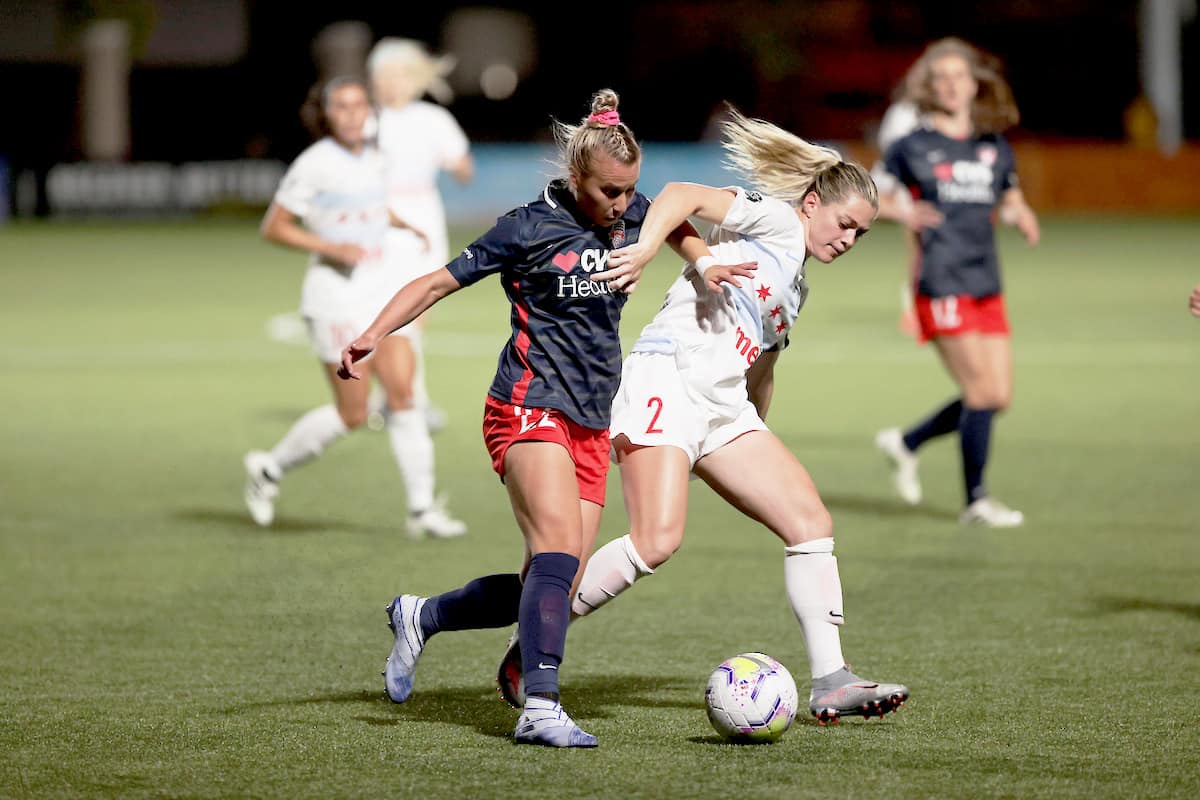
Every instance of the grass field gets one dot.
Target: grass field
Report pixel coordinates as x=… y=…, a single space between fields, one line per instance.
x=158 y=644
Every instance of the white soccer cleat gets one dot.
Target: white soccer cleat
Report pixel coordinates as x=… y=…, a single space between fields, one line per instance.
x=544 y=722
x=435 y=523
x=262 y=486
x=904 y=465
x=991 y=513
x=404 y=618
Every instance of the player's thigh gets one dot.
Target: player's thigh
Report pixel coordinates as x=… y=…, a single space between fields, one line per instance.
x=396 y=364
x=965 y=359
x=758 y=475
x=654 y=483
x=544 y=493
x=350 y=396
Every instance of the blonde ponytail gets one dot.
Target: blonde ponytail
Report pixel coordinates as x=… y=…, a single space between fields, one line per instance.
x=787 y=167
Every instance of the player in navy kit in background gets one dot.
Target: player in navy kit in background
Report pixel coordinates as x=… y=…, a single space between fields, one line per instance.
x=959 y=169
x=547 y=412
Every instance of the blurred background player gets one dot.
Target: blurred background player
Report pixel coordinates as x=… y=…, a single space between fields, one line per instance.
x=1194 y=302
x=547 y=412
x=900 y=119
x=959 y=168
x=698 y=381
x=332 y=203
x=419 y=139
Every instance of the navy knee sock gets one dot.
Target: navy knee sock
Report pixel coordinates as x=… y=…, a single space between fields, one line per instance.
x=488 y=602
x=975 y=434
x=944 y=420
x=545 y=612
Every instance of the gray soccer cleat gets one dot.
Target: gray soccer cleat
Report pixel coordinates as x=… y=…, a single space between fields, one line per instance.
x=844 y=694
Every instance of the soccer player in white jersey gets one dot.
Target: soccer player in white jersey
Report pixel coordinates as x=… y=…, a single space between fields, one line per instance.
x=332 y=203
x=696 y=386
x=901 y=118
x=419 y=140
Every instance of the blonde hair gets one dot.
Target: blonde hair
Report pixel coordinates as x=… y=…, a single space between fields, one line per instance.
x=787 y=167
x=577 y=144
x=421 y=71
x=993 y=109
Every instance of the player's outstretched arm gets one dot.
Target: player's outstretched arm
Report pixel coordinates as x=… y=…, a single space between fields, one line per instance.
x=1194 y=302
x=668 y=213
x=281 y=227
x=405 y=306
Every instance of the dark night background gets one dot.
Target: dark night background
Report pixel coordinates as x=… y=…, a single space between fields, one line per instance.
x=821 y=69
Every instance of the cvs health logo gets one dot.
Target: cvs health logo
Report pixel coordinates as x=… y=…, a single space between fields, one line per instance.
x=592 y=260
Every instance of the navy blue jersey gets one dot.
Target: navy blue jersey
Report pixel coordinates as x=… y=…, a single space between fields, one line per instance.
x=964 y=178
x=565 y=352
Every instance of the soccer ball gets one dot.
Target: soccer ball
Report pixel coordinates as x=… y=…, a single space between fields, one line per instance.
x=751 y=698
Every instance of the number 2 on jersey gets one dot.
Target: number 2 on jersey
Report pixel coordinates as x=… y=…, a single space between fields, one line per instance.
x=657 y=404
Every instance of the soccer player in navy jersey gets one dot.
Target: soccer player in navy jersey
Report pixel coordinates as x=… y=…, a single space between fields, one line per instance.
x=697 y=384
x=959 y=169
x=547 y=412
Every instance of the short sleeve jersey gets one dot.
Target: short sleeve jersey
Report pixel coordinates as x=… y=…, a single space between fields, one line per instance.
x=565 y=349
x=964 y=179
x=341 y=197
x=419 y=140
x=716 y=337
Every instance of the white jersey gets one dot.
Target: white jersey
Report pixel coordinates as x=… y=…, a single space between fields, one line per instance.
x=901 y=118
x=418 y=141
x=716 y=337
x=341 y=197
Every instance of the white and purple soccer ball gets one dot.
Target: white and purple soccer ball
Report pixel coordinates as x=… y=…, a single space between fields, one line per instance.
x=751 y=698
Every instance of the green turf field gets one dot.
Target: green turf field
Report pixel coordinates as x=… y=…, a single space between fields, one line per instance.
x=158 y=644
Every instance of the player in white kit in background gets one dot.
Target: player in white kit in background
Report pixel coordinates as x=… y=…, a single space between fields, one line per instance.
x=419 y=140
x=332 y=203
x=696 y=386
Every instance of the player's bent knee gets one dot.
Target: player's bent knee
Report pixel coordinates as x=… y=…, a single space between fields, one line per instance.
x=353 y=417
x=816 y=523
x=658 y=546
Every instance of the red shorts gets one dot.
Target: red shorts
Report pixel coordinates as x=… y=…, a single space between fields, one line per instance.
x=504 y=425
x=958 y=314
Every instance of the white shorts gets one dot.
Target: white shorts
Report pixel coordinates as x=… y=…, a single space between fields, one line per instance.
x=330 y=335
x=655 y=406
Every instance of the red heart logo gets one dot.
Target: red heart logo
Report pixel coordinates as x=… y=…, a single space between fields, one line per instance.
x=565 y=261
x=944 y=171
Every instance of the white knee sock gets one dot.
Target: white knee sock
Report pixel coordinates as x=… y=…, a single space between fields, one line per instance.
x=811 y=575
x=309 y=437
x=413 y=450
x=611 y=570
